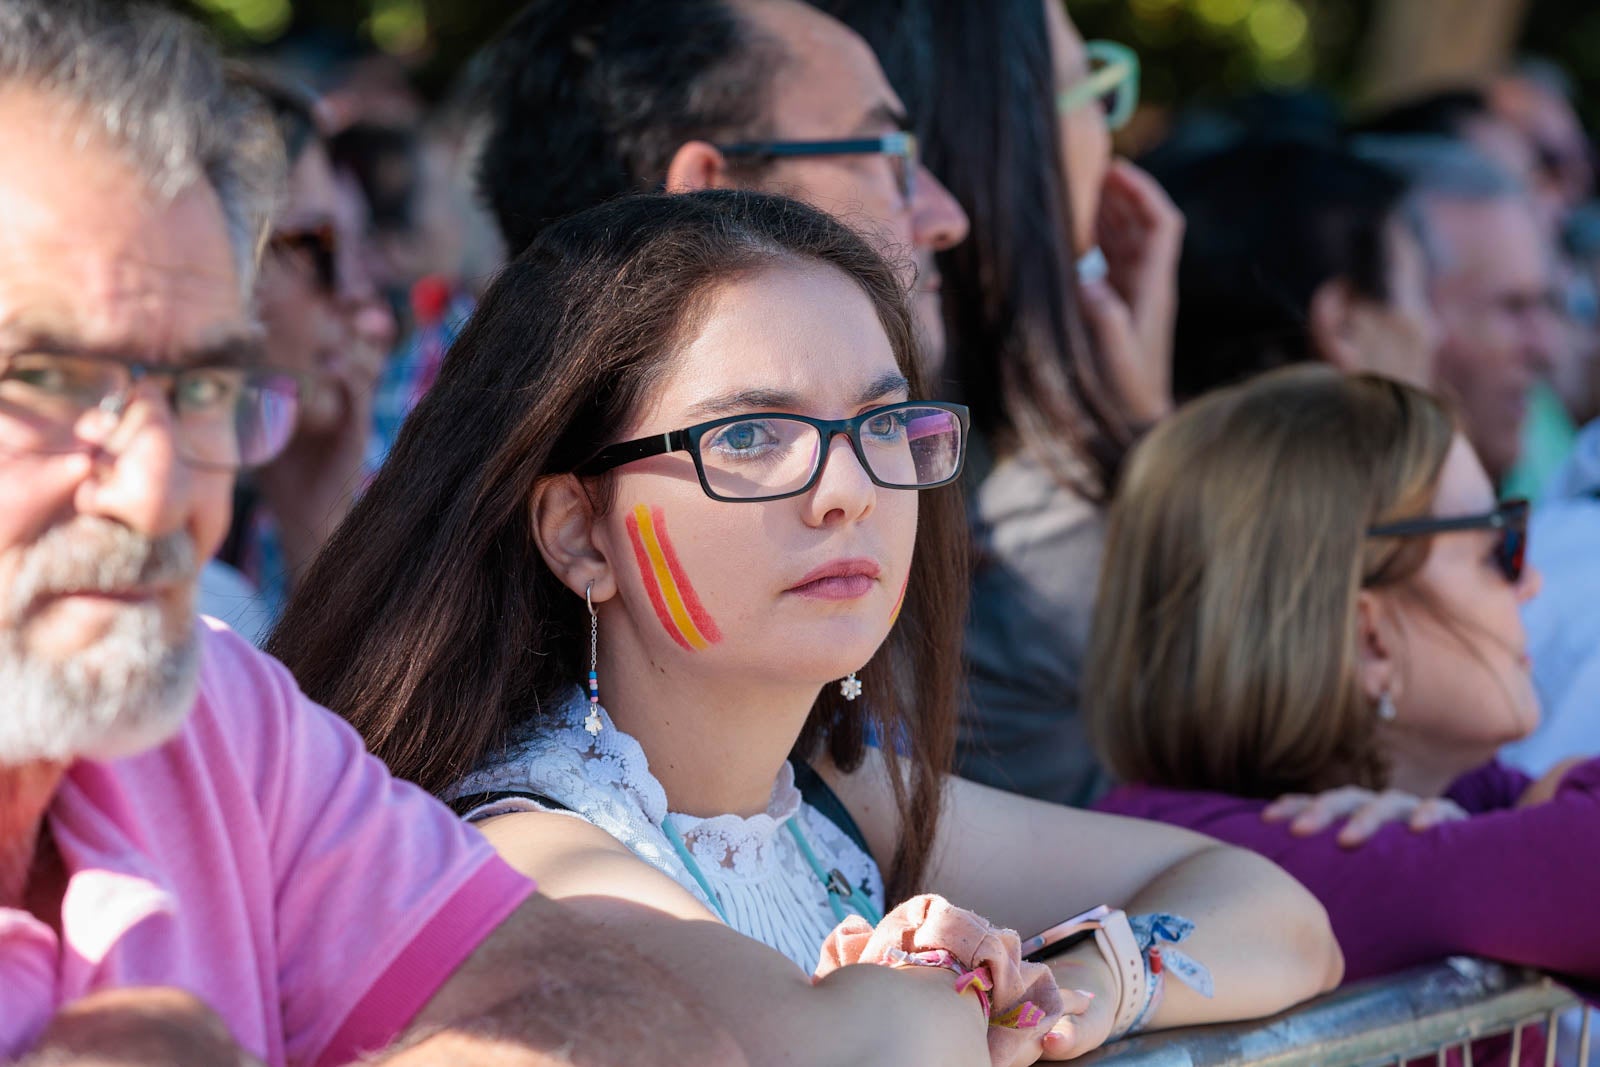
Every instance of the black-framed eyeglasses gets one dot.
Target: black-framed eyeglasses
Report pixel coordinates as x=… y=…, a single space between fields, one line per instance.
x=225 y=416
x=900 y=147
x=773 y=455
x=1510 y=519
x=318 y=243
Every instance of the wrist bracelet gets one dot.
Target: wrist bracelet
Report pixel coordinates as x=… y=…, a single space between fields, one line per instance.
x=1025 y=1016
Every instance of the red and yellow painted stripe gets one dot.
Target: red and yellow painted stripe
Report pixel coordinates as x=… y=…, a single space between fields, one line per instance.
x=674 y=599
x=894 y=616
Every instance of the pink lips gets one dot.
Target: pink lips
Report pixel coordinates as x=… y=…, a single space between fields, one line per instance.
x=842 y=579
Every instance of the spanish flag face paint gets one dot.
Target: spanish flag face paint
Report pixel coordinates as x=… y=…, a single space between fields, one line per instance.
x=671 y=594
x=894 y=616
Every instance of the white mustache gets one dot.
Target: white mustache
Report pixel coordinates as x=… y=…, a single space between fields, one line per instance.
x=97 y=555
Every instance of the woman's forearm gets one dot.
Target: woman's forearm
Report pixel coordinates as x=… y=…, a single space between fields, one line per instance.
x=875 y=1016
x=1264 y=937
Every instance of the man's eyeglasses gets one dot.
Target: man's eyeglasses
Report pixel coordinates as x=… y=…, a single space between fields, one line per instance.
x=900 y=147
x=914 y=445
x=1113 y=80
x=1510 y=519
x=225 y=417
x=319 y=244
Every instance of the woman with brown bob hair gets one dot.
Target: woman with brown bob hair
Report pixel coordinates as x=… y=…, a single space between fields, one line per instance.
x=1310 y=588
x=650 y=553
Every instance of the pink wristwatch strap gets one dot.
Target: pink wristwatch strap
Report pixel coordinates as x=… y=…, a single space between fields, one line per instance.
x=1115 y=940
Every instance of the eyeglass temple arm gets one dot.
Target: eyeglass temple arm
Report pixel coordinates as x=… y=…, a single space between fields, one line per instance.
x=810 y=148
x=1493 y=521
x=628 y=451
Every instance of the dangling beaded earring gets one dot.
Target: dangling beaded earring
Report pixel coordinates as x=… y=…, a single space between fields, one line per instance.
x=1386 y=709
x=593 y=723
x=850 y=687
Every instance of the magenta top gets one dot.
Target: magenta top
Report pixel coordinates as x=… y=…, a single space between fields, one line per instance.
x=1511 y=884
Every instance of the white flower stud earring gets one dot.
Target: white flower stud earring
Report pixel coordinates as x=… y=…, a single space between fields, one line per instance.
x=850 y=687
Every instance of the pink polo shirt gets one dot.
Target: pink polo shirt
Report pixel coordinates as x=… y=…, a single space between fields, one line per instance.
x=264 y=862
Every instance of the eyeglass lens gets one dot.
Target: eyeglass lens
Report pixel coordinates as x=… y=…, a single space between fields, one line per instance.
x=224 y=417
x=903 y=447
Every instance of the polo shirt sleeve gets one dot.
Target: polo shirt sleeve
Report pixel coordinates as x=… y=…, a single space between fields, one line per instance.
x=381 y=893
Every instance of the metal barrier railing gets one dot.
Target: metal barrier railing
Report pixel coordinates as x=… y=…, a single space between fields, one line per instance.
x=1434 y=1012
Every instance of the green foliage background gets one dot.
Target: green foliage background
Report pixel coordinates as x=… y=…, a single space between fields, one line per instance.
x=1192 y=50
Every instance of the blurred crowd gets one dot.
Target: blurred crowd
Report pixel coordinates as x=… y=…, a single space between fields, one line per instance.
x=743 y=491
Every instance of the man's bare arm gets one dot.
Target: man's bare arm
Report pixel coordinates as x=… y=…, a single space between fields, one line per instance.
x=548 y=988
x=143 y=1027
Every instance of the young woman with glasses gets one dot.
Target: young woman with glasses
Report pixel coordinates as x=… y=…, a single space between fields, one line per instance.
x=1310 y=587
x=702 y=416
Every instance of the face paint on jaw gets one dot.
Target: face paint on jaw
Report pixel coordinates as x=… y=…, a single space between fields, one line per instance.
x=671 y=594
x=900 y=602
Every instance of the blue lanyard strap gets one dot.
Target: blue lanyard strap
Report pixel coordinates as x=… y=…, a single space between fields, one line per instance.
x=834 y=881
x=694 y=868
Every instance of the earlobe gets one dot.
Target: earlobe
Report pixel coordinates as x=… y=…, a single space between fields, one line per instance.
x=697 y=165
x=566 y=529
x=1377 y=670
x=1329 y=322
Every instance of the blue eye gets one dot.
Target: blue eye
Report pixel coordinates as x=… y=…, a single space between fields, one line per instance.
x=743 y=440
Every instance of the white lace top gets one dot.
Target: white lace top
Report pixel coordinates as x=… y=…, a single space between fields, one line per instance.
x=765 y=885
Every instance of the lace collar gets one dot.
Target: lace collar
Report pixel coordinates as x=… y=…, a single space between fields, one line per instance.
x=616 y=758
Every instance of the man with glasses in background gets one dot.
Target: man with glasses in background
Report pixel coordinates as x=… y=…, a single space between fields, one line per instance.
x=197 y=865
x=591 y=100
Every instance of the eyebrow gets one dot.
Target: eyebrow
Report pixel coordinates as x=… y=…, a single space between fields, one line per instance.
x=751 y=400
x=884 y=113
x=233 y=350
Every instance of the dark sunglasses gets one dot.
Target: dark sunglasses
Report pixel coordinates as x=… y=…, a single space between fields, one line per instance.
x=317 y=243
x=1510 y=519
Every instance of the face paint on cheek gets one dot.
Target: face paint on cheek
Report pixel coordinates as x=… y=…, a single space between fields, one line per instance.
x=676 y=605
x=894 y=616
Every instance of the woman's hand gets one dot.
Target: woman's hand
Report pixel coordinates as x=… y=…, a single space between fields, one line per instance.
x=1366 y=812
x=1133 y=311
x=1089 y=992
x=311 y=487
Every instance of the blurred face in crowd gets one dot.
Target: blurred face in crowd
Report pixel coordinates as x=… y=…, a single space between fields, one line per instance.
x=1463 y=684
x=830 y=87
x=1397 y=336
x=1085 y=141
x=102 y=535
x=314 y=296
x=1492 y=295
x=1562 y=170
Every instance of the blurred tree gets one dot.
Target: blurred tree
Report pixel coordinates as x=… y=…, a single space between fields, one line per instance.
x=1193 y=51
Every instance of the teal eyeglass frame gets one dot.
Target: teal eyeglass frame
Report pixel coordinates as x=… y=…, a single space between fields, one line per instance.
x=1117 y=73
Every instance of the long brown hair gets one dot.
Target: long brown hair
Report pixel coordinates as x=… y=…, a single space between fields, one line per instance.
x=431 y=621
x=977 y=77
x=1224 y=643
x=1021 y=353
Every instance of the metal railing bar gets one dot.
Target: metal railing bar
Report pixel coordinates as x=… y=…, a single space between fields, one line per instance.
x=1423 y=1013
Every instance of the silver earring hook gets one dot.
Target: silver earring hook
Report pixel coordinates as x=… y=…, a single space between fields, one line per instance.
x=587 y=599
